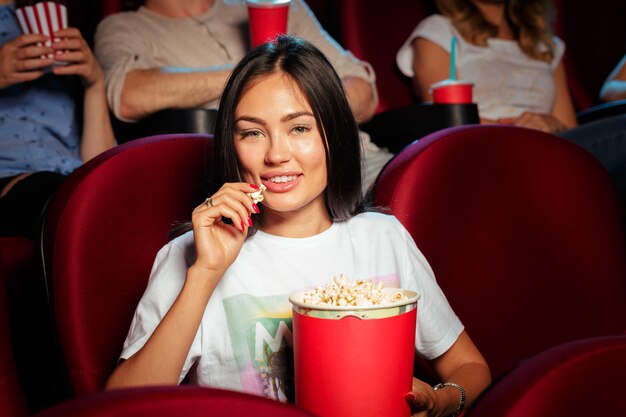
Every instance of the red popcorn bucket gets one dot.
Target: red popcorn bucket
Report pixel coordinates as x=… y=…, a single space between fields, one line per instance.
x=354 y=361
x=44 y=18
x=452 y=92
x=268 y=19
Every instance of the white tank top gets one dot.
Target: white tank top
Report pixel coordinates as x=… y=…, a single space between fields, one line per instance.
x=506 y=81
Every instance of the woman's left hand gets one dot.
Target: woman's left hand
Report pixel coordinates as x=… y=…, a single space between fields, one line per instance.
x=74 y=51
x=424 y=400
x=544 y=122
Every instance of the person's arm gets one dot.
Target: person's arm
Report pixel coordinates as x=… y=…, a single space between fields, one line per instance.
x=97 y=134
x=161 y=359
x=147 y=91
x=563 y=109
x=136 y=82
x=431 y=63
x=614 y=88
x=361 y=97
x=463 y=365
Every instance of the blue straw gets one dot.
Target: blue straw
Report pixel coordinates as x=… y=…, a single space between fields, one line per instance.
x=453 y=58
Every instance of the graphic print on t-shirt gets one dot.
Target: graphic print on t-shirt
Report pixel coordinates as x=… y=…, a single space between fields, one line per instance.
x=260 y=331
x=261 y=338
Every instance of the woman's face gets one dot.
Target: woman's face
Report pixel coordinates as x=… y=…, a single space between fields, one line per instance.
x=279 y=145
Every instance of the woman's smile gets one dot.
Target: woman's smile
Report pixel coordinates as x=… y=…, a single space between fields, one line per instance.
x=281 y=183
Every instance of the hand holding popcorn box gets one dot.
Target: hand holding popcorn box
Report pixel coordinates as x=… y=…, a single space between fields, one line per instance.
x=44 y=17
x=353 y=347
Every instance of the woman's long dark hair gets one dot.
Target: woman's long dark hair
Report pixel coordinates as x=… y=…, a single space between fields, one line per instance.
x=323 y=89
x=321 y=86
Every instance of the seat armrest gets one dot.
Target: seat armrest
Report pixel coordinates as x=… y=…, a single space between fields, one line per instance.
x=396 y=128
x=601 y=111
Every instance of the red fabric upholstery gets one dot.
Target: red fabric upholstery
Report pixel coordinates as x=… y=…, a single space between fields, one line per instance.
x=178 y=401
x=108 y=7
x=586 y=70
x=20 y=260
x=374 y=32
x=28 y=308
x=12 y=403
x=523 y=231
x=103 y=230
x=580 y=378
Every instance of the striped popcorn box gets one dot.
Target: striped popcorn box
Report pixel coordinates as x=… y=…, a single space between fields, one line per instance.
x=44 y=18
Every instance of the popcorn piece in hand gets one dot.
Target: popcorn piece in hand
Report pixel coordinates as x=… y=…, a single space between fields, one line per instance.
x=257 y=196
x=359 y=293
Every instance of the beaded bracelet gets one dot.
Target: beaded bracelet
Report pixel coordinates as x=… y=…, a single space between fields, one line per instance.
x=463 y=396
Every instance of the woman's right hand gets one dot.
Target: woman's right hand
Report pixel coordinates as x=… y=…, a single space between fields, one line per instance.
x=23 y=59
x=218 y=243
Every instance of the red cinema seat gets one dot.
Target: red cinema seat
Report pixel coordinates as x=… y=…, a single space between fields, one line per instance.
x=523 y=230
x=580 y=378
x=12 y=402
x=34 y=344
x=586 y=70
x=172 y=401
x=103 y=230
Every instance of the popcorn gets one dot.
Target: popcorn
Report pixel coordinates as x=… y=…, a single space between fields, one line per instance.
x=257 y=196
x=360 y=293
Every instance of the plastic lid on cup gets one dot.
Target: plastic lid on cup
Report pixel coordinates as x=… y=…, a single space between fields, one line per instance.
x=448 y=82
x=267 y=3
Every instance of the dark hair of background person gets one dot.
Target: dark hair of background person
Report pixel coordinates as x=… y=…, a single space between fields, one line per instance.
x=530 y=21
x=320 y=84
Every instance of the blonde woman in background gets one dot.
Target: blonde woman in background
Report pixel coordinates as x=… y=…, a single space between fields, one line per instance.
x=506 y=48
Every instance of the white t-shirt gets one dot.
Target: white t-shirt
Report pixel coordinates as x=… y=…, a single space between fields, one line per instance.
x=507 y=82
x=248 y=317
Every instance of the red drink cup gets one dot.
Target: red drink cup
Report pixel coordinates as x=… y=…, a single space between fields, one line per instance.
x=452 y=92
x=268 y=19
x=354 y=361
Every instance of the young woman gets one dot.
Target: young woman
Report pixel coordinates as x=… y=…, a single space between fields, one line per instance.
x=216 y=308
x=506 y=49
